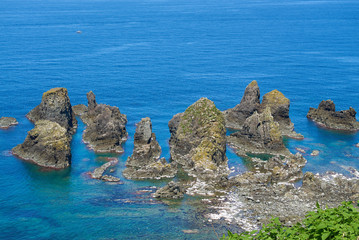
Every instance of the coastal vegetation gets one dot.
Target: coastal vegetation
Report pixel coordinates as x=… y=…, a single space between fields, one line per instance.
x=341 y=222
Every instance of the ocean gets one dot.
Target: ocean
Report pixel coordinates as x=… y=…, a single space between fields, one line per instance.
x=154 y=58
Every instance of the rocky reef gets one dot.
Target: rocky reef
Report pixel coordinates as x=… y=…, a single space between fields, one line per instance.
x=326 y=116
x=55 y=106
x=99 y=173
x=145 y=162
x=260 y=134
x=173 y=190
x=250 y=103
x=6 y=122
x=198 y=144
x=48 y=145
x=106 y=130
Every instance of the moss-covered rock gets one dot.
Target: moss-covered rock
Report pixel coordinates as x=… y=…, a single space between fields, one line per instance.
x=48 y=145
x=326 y=116
x=56 y=107
x=279 y=106
x=198 y=141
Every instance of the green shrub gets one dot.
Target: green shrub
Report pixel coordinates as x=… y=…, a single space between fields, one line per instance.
x=332 y=223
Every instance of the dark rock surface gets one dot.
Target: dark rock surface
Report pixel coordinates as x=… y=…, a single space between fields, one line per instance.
x=198 y=144
x=6 y=122
x=173 y=190
x=279 y=106
x=105 y=131
x=325 y=115
x=48 y=145
x=145 y=162
x=98 y=173
x=250 y=103
x=55 y=106
x=260 y=134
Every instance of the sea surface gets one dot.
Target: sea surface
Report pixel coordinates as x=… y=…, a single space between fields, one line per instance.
x=154 y=58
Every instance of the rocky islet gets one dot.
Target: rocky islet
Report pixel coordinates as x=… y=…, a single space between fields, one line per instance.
x=6 y=122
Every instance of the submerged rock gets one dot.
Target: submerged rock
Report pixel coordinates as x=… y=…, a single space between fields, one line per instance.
x=198 y=142
x=260 y=134
x=98 y=173
x=6 y=122
x=279 y=107
x=173 y=190
x=325 y=115
x=105 y=131
x=56 y=107
x=47 y=145
x=250 y=103
x=145 y=162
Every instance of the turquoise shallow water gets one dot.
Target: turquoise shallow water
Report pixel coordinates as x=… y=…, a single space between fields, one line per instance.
x=155 y=58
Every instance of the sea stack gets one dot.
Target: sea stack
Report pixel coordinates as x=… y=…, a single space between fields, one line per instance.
x=105 y=131
x=326 y=116
x=250 y=103
x=48 y=145
x=279 y=107
x=260 y=134
x=198 y=142
x=145 y=162
x=56 y=107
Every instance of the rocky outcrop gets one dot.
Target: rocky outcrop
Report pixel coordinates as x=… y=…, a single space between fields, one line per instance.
x=79 y=109
x=47 y=145
x=198 y=142
x=260 y=134
x=105 y=131
x=98 y=173
x=173 y=190
x=326 y=116
x=145 y=162
x=279 y=107
x=6 y=122
x=235 y=117
x=56 y=107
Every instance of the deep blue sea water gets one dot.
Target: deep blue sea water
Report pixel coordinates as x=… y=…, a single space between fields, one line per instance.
x=155 y=58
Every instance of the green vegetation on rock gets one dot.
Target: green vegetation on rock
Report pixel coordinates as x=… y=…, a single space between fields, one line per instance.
x=341 y=222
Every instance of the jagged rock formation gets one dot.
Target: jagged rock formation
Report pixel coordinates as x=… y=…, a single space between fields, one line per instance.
x=47 y=145
x=145 y=162
x=6 y=122
x=56 y=107
x=198 y=142
x=105 y=131
x=98 y=173
x=173 y=190
x=260 y=134
x=325 y=115
x=279 y=107
x=250 y=103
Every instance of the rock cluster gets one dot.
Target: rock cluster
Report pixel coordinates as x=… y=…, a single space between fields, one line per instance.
x=145 y=162
x=105 y=131
x=259 y=134
x=56 y=107
x=6 y=122
x=325 y=115
x=250 y=103
x=198 y=142
x=48 y=145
